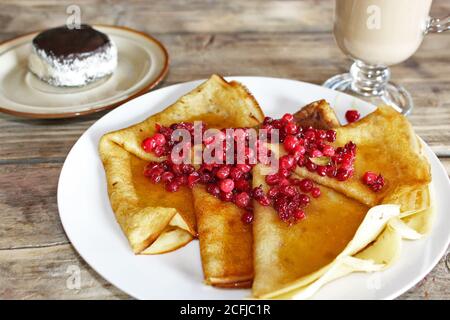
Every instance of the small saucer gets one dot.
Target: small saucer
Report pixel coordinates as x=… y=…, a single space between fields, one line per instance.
x=143 y=62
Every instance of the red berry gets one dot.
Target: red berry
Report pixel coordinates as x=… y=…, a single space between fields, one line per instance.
x=289 y=190
x=321 y=134
x=187 y=168
x=284 y=173
x=311 y=166
x=167 y=176
x=331 y=135
x=315 y=153
x=267 y=120
x=369 y=178
x=205 y=177
x=299 y=214
x=159 y=138
x=273 y=192
x=244 y=167
x=342 y=174
x=287 y=117
x=247 y=217
x=242 y=199
x=226 y=185
x=322 y=171
x=291 y=128
x=310 y=134
x=315 y=192
x=328 y=150
x=290 y=143
x=193 y=178
x=155 y=175
x=226 y=196
x=242 y=185
x=159 y=151
x=304 y=200
x=148 y=144
x=352 y=115
x=300 y=149
x=181 y=180
x=272 y=179
x=257 y=193
x=172 y=186
x=223 y=172
x=213 y=189
x=305 y=185
x=287 y=162
x=331 y=171
x=378 y=184
x=235 y=173
x=380 y=180
x=264 y=201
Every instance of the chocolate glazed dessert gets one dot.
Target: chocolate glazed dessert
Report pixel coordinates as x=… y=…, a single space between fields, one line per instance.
x=72 y=57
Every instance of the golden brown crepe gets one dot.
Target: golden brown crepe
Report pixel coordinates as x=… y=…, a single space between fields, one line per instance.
x=226 y=243
x=153 y=219
x=292 y=262
x=284 y=253
x=386 y=144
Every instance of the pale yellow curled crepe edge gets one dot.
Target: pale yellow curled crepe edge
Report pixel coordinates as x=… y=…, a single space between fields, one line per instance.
x=373 y=224
x=376 y=246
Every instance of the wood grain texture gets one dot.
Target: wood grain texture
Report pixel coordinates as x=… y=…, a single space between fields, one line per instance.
x=289 y=39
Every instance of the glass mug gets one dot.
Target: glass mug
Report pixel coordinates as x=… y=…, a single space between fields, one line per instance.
x=377 y=34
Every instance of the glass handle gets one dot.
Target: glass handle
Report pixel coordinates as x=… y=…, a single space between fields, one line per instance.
x=437 y=25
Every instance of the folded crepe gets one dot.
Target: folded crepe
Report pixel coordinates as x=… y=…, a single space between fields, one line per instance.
x=226 y=243
x=154 y=220
x=339 y=235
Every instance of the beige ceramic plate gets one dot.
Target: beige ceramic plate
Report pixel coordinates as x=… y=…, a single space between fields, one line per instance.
x=143 y=63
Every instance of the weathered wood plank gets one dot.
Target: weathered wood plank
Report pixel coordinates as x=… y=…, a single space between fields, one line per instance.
x=28 y=208
x=164 y=16
x=49 y=273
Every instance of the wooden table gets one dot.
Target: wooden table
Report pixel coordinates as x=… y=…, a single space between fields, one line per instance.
x=289 y=39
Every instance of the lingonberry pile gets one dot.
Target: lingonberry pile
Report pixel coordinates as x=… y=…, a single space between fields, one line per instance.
x=305 y=146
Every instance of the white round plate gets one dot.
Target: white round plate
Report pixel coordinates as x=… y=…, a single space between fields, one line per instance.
x=142 y=64
x=91 y=227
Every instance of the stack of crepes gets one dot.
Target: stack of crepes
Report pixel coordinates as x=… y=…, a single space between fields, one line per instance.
x=349 y=228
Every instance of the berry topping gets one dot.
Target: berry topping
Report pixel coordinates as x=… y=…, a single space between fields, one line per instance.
x=289 y=196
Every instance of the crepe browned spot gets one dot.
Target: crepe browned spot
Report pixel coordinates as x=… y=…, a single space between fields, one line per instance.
x=284 y=253
x=317 y=114
x=386 y=144
x=154 y=220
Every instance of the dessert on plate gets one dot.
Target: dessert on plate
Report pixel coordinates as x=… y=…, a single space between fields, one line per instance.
x=340 y=200
x=65 y=57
